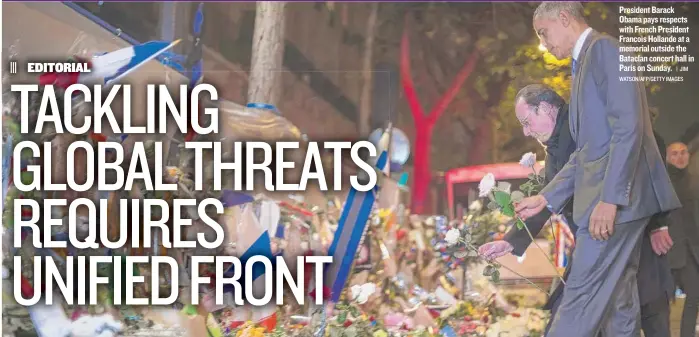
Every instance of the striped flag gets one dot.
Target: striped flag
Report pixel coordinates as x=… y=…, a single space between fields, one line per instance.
x=350 y=230
x=110 y=67
x=253 y=240
x=564 y=241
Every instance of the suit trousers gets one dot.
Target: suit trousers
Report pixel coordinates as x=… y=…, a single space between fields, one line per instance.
x=601 y=293
x=687 y=278
x=655 y=317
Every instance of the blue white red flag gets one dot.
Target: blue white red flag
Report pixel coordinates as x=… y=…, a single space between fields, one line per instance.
x=111 y=67
x=564 y=241
x=350 y=230
x=253 y=240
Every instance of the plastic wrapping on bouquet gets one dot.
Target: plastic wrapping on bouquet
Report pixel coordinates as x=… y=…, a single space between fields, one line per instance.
x=414 y=301
x=440 y=221
x=399 y=281
x=84 y=46
x=423 y=295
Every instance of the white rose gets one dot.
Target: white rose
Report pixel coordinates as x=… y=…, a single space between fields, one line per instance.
x=528 y=160
x=452 y=236
x=361 y=293
x=475 y=206
x=486 y=185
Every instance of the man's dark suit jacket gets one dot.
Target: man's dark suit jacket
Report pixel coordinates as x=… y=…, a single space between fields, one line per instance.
x=558 y=149
x=654 y=278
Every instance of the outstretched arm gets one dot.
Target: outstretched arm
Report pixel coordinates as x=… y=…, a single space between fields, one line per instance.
x=519 y=238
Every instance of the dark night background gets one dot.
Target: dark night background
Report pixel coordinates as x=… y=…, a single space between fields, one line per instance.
x=679 y=102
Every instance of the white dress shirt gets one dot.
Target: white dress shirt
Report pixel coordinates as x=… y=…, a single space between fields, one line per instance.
x=579 y=44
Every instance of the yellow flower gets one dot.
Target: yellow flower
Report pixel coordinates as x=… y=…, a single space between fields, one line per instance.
x=384 y=212
x=380 y=333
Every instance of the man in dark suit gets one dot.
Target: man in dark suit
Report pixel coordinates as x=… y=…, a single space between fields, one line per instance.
x=655 y=282
x=684 y=229
x=544 y=116
x=616 y=174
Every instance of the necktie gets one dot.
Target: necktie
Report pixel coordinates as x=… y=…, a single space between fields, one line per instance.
x=575 y=66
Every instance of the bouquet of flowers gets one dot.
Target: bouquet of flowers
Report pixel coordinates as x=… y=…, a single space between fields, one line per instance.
x=452 y=240
x=502 y=199
x=467 y=318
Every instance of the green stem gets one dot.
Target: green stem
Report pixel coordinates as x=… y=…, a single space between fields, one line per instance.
x=514 y=272
x=541 y=249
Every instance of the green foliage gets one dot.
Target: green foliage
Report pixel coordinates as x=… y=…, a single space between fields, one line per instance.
x=492 y=270
x=11 y=127
x=504 y=200
x=8 y=208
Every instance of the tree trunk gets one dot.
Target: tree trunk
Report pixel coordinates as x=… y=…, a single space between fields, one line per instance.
x=481 y=143
x=264 y=85
x=424 y=123
x=421 y=170
x=367 y=72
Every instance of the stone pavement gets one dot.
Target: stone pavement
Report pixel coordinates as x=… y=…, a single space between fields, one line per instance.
x=676 y=317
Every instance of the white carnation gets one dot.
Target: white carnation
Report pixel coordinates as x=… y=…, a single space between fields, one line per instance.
x=452 y=236
x=475 y=206
x=361 y=293
x=486 y=185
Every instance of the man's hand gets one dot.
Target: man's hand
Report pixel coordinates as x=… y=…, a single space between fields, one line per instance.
x=661 y=241
x=495 y=249
x=530 y=206
x=602 y=221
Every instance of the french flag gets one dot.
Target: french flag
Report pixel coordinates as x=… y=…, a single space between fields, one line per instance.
x=110 y=67
x=349 y=234
x=253 y=240
x=564 y=242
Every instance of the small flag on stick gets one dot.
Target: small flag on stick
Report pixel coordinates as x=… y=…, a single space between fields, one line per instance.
x=348 y=236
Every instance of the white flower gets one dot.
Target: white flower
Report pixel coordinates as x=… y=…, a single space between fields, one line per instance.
x=528 y=160
x=475 y=206
x=452 y=236
x=486 y=185
x=361 y=293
